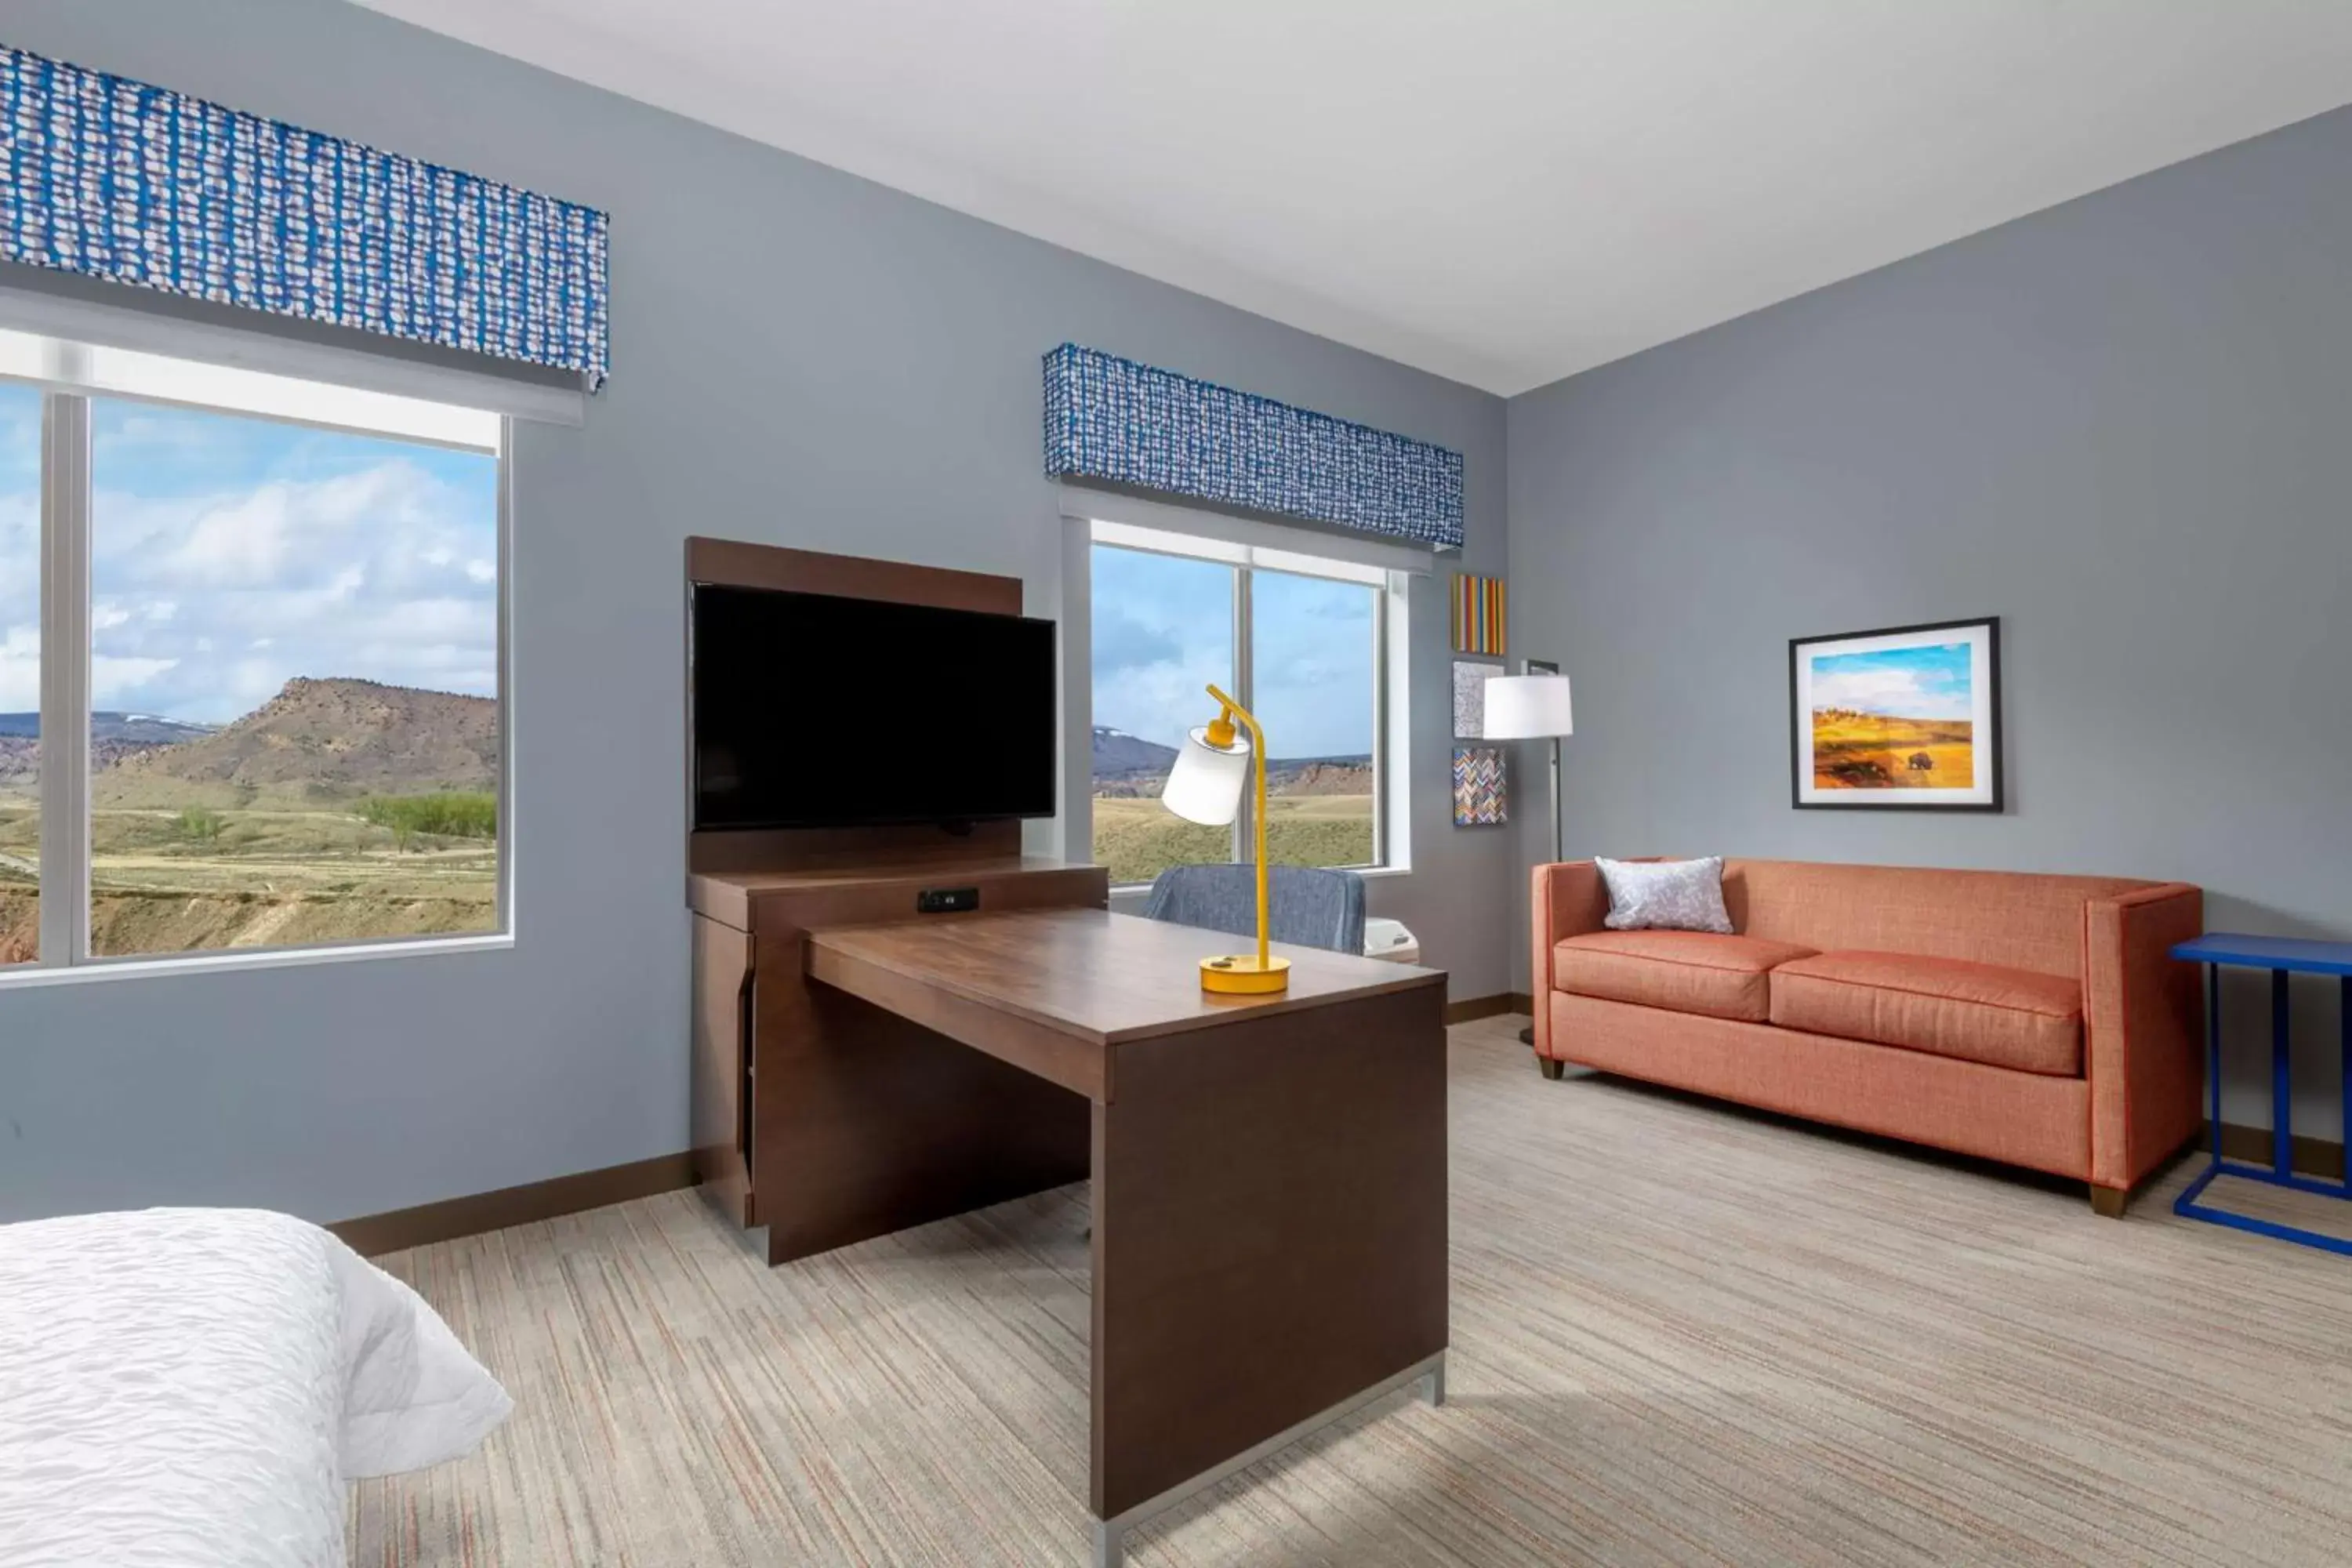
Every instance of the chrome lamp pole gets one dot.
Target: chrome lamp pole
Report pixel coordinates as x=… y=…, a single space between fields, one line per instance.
x=1532 y=707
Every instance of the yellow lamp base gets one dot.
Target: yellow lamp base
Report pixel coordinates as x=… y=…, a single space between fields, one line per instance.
x=1238 y=974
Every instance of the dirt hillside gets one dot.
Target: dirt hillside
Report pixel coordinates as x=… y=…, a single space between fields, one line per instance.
x=321 y=740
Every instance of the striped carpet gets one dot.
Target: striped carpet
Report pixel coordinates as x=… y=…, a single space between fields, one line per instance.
x=1682 y=1334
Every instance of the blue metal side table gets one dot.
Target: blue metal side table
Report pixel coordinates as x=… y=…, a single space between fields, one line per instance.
x=2281 y=956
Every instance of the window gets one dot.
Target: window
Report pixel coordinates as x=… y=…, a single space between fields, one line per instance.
x=270 y=614
x=1302 y=642
x=20 y=673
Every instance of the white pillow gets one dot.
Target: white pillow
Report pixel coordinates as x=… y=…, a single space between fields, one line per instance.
x=415 y=1399
x=1665 y=895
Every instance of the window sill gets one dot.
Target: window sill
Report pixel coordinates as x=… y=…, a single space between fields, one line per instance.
x=30 y=976
x=1369 y=873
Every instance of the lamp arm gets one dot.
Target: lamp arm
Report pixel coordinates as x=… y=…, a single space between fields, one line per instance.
x=1257 y=745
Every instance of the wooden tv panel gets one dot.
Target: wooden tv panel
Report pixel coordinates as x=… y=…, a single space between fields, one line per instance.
x=810 y=1106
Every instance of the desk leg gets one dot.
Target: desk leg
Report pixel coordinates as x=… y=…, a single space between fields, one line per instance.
x=2213 y=1052
x=1269 y=1239
x=2281 y=1088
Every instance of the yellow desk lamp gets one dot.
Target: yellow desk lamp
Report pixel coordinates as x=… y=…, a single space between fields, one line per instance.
x=1204 y=785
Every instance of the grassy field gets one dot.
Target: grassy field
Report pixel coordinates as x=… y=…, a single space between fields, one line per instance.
x=1870 y=751
x=1138 y=839
x=173 y=882
x=198 y=878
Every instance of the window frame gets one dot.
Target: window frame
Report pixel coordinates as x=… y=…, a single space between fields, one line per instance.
x=70 y=375
x=1390 y=587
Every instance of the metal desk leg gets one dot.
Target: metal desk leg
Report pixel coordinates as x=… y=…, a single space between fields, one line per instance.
x=2213 y=1052
x=2281 y=1089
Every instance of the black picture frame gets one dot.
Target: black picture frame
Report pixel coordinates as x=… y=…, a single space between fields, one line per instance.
x=1896 y=799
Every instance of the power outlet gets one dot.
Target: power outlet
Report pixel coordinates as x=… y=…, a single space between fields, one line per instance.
x=946 y=900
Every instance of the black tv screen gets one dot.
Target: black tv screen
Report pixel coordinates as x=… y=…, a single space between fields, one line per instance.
x=811 y=710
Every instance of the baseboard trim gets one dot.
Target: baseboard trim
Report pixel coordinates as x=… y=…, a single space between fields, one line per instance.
x=400 y=1229
x=1493 y=1006
x=2312 y=1156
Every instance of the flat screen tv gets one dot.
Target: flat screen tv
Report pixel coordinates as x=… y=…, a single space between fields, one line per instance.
x=812 y=710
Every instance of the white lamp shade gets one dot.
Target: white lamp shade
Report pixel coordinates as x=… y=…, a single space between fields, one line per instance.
x=1205 y=784
x=1528 y=707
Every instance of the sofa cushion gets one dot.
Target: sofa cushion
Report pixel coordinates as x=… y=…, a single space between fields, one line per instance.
x=1665 y=895
x=1681 y=971
x=1978 y=1011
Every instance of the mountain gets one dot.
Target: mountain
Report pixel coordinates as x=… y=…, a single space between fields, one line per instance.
x=323 y=740
x=20 y=757
x=1127 y=765
x=1116 y=752
x=112 y=737
x=1320 y=776
x=139 y=728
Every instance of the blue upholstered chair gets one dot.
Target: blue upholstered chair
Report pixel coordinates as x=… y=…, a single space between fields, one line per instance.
x=1310 y=906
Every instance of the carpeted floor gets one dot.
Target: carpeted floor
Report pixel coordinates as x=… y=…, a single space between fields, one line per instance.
x=1682 y=1334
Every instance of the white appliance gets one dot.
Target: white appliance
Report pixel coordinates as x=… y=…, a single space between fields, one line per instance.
x=1390 y=940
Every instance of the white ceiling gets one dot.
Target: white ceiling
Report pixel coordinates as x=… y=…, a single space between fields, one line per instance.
x=1503 y=193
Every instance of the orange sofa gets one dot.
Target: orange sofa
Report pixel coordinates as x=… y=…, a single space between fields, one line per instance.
x=2036 y=1020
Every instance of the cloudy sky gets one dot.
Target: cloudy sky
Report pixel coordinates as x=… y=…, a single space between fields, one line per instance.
x=231 y=554
x=1906 y=682
x=1164 y=629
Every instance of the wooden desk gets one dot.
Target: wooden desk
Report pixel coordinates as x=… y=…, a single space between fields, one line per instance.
x=1269 y=1172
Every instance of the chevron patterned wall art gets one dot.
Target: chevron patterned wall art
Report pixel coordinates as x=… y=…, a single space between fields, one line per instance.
x=1481 y=787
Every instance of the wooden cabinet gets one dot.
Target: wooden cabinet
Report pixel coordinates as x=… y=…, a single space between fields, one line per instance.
x=826 y=1119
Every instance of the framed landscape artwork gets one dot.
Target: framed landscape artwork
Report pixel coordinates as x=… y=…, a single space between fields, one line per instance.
x=1906 y=718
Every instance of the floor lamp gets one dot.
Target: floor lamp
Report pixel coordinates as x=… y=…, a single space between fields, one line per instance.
x=1532 y=707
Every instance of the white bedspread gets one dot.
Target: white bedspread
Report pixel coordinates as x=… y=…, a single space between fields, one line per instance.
x=193 y=1387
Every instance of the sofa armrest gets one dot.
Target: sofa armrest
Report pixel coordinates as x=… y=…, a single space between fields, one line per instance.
x=2142 y=1017
x=1570 y=898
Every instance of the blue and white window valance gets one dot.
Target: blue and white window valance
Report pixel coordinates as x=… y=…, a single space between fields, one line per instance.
x=118 y=180
x=1111 y=420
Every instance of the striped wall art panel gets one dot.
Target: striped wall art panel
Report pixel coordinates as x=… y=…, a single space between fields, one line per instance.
x=1478 y=614
x=1111 y=420
x=115 y=179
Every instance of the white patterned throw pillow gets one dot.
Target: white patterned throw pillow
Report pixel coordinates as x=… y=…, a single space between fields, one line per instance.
x=1665 y=895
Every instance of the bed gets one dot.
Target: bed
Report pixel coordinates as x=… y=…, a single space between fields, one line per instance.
x=198 y=1386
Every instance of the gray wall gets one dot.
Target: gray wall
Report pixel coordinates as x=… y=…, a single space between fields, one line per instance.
x=800 y=357
x=2123 y=424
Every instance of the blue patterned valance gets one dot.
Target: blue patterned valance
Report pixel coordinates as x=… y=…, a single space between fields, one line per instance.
x=118 y=180
x=1112 y=419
